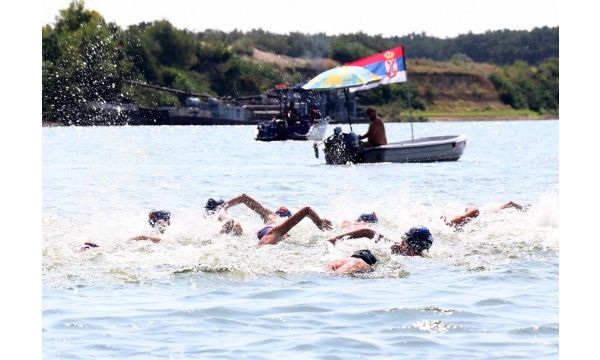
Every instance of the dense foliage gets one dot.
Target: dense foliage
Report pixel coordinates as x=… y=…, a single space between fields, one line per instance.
x=522 y=86
x=502 y=47
x=86 y=60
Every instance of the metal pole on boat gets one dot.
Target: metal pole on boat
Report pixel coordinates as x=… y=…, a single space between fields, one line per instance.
x=410 y=118
x=348 y=107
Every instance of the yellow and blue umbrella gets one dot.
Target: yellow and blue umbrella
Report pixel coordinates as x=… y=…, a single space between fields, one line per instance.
x=342 y=77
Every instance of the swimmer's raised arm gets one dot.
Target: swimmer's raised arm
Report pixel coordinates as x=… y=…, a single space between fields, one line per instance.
x=356 y=234
x=462 y=219
x=321 y=223
x=154 y=239
x=277 y=233
x=251 y=203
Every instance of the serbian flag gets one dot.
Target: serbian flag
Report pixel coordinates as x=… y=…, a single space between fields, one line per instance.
x=388 y=65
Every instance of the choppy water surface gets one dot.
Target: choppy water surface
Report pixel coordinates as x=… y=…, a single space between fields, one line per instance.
x=489 y=291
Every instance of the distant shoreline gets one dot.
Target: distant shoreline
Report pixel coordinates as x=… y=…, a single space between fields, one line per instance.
x=448 y=118
x=432 y=119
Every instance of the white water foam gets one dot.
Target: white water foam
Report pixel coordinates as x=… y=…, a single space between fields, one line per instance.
x=193 y=242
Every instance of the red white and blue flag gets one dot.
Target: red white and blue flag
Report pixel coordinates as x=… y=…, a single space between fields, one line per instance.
x=388 y=65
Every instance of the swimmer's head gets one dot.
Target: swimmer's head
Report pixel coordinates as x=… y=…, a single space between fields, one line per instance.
x=159 y=219
x=417 y=240
x=283 y=212
x=366 y=256
x=212 y=205
x=369 y=218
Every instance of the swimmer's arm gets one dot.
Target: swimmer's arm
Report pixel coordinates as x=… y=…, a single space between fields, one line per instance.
x=462 y=219
x=356 y=234
x=278 y=232
x=321 y=223
x=251 y=203
x=154 y=239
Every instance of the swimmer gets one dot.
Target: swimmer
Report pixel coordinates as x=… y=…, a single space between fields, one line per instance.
x=159 y=220
x=473 y=212
x=416 y=240
x=235 y=228
x=364 y=220
x=360 y=261
x=270 y=234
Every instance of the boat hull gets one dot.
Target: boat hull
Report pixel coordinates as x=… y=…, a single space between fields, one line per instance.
x=279 y=130
x=344 y=148
x=439 y=148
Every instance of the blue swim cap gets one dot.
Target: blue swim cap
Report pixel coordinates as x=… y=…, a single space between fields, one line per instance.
x=419 y=238
x=155 y=216
x=370 y=218
x=212 y=204
x=283 y=212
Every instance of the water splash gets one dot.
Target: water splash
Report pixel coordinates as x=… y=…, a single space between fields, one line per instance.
x=193 y=243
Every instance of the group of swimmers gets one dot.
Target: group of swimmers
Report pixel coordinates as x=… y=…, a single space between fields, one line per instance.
x=278 y=223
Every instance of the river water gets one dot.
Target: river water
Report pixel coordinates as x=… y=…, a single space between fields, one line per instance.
x=489 y=291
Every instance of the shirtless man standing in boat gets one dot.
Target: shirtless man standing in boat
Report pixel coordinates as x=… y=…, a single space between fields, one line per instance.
x=376 y=134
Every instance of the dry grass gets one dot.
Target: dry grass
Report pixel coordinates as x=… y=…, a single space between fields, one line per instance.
x=427 y=66
x=284 y=61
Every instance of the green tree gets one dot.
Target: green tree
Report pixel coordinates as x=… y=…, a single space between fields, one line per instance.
x=524 y=86
x=83 y=64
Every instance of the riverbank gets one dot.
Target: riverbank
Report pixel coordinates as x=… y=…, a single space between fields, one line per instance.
x=431 y=117
x=463 y=111
x=475 y=116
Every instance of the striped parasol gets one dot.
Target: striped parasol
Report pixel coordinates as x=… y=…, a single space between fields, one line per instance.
x=342 y=77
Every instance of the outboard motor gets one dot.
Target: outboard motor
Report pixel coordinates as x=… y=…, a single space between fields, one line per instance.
x=341 y=147
x=281 y=129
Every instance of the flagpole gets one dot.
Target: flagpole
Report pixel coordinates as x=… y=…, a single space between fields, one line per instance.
x=410 y=118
